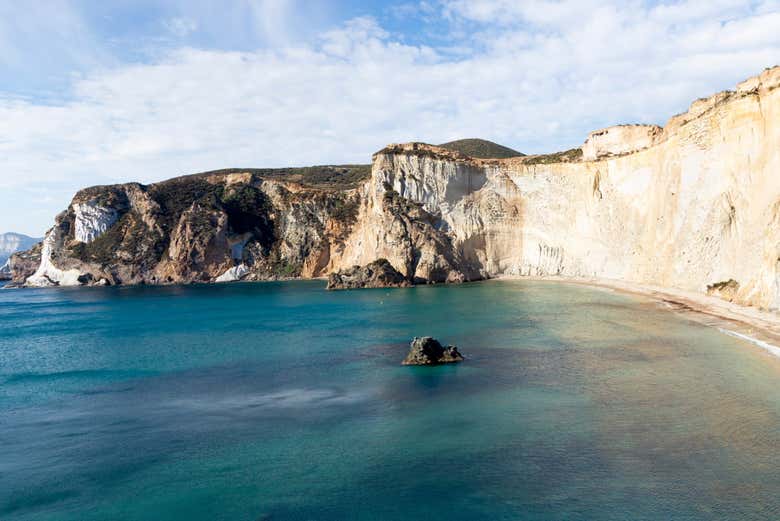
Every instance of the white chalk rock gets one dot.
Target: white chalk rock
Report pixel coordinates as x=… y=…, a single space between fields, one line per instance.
x=233 y=274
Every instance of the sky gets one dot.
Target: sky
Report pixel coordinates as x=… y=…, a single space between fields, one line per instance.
x=140 y=90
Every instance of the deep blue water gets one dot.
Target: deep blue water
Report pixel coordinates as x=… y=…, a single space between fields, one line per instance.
x=284 y=401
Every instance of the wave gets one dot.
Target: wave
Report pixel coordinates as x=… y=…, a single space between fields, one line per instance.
x=284 y=399
x=775 y=350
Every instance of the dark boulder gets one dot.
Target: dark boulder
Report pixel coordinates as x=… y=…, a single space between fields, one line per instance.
x=428 y=351
x=378 y=274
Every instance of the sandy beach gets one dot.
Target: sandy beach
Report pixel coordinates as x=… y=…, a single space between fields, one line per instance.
x=758 y=327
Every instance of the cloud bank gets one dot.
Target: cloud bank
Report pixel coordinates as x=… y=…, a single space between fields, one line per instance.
x=536 y=76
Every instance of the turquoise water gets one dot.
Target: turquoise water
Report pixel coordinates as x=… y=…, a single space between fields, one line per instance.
x=284 y=401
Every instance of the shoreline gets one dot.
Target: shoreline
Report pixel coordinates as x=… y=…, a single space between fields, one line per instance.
x=758 y=327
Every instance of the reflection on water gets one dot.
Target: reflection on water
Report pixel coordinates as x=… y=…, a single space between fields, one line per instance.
x=283 y=401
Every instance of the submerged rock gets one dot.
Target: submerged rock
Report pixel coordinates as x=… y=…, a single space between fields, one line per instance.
x=378 y=274
x=428 y=351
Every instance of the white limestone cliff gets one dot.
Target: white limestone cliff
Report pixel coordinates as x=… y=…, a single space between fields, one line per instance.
x=234 y=274
x=92 y=220
x=620 y=139
x=692 y=207
x=47 y=273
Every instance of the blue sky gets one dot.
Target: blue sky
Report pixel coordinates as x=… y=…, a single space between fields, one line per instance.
x=114 y=91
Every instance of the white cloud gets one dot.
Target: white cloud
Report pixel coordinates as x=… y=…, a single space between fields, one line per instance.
x=538 y=77
x=180 y=26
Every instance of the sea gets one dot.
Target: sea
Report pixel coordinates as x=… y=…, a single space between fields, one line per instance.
x=284 y=401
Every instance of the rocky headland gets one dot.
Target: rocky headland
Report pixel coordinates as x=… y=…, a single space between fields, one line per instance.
x=693 y=206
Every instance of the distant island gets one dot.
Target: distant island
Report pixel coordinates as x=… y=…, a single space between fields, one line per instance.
x=11 y=243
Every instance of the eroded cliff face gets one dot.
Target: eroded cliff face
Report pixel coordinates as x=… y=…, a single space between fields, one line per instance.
x=694 y=205
x=218 y=227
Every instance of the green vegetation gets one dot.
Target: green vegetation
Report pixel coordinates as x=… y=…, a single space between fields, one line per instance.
x=248 y=210
x=393 y=201
x=344 y=209
x=326 y=176
x=481 y=148
x=177 y=195
x=106 y=195
x=286 y=270
x=730 y=284
x=567 y=156
x=391 y=196
x=247 y=207
x=128 y=234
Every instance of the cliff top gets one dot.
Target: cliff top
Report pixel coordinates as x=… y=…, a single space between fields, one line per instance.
x=324 y=177
x=426 y=150
x=767 y=80
x=616 y=140
x=339 y=177
x=483 y=152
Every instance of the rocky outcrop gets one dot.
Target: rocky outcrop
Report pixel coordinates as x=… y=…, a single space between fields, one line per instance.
x=620 y=139
x=5 y=271
x=215 y=227
x=24 y=263
x=378 y=274
x=428 y=351
x=48 y=274
x=93 y=220
x=692 y=206
x=234 y=274
x=696 y=206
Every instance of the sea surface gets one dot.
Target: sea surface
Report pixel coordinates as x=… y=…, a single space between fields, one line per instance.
x=279 y=401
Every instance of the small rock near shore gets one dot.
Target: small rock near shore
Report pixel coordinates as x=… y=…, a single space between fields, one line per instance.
x=428 y=351
x=378 y=274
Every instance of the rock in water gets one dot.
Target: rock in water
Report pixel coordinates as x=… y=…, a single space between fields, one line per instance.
x=428 y=351
x=378 y=274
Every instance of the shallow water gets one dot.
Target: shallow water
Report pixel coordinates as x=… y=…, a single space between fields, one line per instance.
x=284 y=401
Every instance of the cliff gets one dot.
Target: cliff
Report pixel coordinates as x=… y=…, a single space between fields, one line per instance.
x=694 y=205
x=11 y=243
x=233 y=225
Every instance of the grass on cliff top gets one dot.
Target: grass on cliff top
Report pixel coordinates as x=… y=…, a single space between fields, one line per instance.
x=567 y=156
x=481 y=148
x=333 y=177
